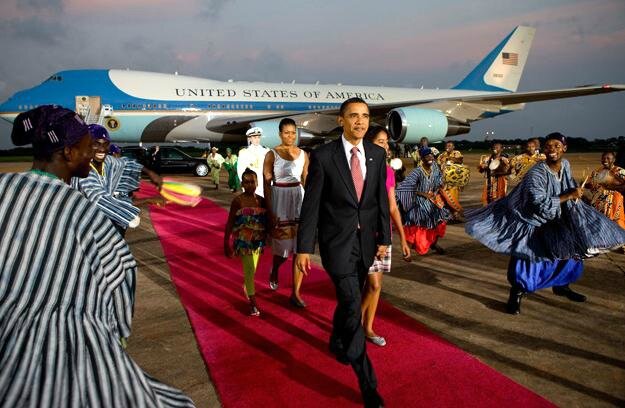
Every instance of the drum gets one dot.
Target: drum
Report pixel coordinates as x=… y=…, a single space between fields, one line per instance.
x=396 y=163
x=456 y=175
x=606 y=179
x=494 y=164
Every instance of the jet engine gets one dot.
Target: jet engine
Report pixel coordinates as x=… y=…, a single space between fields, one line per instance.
x=409 y=125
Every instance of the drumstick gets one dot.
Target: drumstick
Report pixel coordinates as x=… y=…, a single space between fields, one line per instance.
x=582 y=186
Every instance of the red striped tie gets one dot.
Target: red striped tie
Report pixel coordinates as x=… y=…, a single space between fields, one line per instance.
x=356 y=172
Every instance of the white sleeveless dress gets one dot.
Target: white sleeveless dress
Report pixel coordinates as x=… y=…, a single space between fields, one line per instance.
x=287 y=194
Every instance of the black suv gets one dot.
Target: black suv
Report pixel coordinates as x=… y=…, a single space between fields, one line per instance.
x=137 y=153
x=167 y=160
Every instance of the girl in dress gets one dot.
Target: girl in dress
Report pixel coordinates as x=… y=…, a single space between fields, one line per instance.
x=373 y=286
x=247 y=225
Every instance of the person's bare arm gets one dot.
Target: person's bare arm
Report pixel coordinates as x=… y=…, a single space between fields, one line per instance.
x=267 y=179
x=305 y=170
x=154 y=177
x=234 y=207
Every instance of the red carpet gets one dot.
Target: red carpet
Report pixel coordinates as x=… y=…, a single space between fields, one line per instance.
x=281 y=358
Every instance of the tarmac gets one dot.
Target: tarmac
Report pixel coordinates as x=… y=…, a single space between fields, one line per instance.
x=573 y=354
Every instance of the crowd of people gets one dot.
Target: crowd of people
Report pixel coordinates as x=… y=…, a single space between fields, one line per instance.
x=343 y=197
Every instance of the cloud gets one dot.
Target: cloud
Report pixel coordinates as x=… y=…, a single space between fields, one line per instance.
x=51 y=5
x=143 y=54
x=212 y=8
x=41 y=32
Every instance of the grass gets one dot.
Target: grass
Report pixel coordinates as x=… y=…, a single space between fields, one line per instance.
x=15 y=159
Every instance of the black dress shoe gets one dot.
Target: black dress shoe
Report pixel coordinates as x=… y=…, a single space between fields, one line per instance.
x=569 y=293
x=337 y=349
x=514 y=300
x=372 y=399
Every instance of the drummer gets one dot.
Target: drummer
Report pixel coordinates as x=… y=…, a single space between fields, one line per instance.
x=521 y=163
x=451 y=157
x=495 y=168
x=606 y=185
x=424 y=143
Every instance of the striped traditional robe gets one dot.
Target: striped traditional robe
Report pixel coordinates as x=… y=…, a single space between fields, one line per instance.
x=112 y=192
x=418 y=210
x=64 y=303
x=530 y=223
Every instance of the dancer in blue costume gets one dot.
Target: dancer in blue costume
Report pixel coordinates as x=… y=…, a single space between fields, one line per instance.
x=545 y=229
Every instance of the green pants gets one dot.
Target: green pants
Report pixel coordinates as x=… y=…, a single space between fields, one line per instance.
x=215 y=174
x=249 y=270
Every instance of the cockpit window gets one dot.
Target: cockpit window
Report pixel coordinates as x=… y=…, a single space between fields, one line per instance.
x=55 y=78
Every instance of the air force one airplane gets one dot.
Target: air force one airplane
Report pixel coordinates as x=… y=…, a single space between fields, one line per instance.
x=153 y=107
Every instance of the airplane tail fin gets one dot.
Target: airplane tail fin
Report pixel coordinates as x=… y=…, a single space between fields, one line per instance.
x=502 y=68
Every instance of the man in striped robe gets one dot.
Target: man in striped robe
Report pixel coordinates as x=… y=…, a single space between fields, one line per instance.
x=62 y=268
x=112 y=181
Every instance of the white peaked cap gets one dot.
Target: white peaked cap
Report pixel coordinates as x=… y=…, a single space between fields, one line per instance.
x=255 y=131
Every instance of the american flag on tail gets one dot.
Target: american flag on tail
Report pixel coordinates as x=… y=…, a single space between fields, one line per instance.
x=510 y=58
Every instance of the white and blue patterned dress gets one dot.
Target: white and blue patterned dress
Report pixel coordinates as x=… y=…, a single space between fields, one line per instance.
x=65 y=302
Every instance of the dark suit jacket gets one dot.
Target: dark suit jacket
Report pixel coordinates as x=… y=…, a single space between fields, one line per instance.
x=331 y=207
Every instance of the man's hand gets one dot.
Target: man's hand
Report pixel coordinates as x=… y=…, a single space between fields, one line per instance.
x=575 y=193
x=154 y=178
x=381 y=252
x=302 y=263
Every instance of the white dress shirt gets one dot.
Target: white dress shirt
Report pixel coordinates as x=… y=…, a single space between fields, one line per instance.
x=347 y=146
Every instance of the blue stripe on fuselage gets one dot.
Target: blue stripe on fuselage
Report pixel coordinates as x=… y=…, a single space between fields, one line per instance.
x=63 y=87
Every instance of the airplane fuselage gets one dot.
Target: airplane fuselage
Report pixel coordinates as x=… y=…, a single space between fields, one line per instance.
x=157 y=107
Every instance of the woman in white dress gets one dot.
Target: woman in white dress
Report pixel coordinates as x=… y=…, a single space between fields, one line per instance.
x=284 y=172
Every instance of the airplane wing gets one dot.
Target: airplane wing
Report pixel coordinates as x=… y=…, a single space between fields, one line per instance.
x=476 y=107
x=536 y=96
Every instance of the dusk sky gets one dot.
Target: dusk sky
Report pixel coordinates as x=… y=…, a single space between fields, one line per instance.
x=392 y=43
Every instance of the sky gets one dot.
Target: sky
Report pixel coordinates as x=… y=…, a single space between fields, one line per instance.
x=410 y=43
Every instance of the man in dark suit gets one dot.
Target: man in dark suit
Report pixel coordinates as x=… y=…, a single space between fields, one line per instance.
x=346 y=203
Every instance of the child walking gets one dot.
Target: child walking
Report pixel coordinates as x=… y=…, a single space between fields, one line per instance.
x=247 y=225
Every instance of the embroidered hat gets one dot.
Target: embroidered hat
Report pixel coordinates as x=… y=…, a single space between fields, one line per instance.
x=255 y=131
x=48 y=128
x=556 y=136
x=99 y=132
x=424 y=151
x=114 y=149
